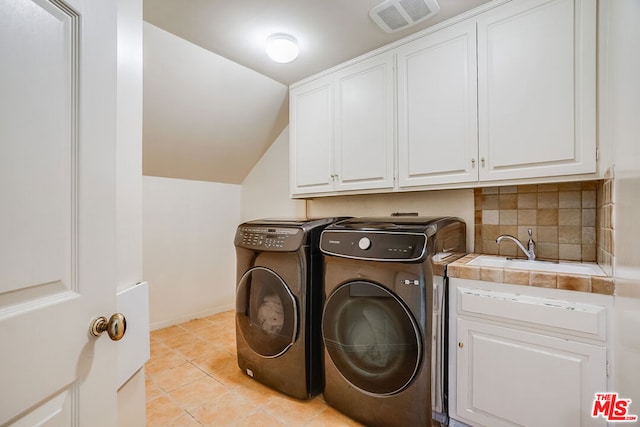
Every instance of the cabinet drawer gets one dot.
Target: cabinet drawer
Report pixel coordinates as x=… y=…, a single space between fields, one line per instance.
x=566 y=317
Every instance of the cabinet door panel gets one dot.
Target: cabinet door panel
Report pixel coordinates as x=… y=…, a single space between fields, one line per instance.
x=509 y=377
x=437 y=108
x=311 y=138
x=536 y=89
x=365 y=125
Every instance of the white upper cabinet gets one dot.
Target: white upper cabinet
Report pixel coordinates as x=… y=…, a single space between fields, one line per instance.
x=364 y=138
x=506 y=94
x=342 y=129
x=437 y=108
x=311 y=137
x=536 y=82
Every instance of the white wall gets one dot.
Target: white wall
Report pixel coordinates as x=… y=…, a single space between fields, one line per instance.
x=129 y=144
x=265 y=191
x=619 y=110
x=189 y=257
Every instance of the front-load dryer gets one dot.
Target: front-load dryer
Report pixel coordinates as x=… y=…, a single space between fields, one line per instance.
x=279 y=303
x=377 y=320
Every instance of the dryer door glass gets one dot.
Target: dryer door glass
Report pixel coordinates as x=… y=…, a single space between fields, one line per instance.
x=371 y=337
x=266 y=312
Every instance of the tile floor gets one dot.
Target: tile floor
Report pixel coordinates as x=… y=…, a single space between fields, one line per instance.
x=193 y=379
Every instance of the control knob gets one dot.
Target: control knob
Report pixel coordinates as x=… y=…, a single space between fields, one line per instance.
x=364 y=243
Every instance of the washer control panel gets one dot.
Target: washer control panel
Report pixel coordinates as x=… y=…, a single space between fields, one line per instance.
x=374 y=245
x=281 y=239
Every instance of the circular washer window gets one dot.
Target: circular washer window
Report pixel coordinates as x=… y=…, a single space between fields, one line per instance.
x=266 y=312
x=371 y=337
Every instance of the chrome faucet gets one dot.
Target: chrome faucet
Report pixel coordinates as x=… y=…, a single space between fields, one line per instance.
x=530 y=253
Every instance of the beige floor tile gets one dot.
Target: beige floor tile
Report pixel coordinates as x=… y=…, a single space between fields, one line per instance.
x=196 y=348
x=197 y=393
x=166 y=333
x=158 y=348
x=161 y=411
x=228 y=342
x=214 y=360
x=226 y=410
x=293 y=412
x=185 y=421
x=164 y=362
x=179 y=340
x=228 y=317
x=151 y=390
x=329 y=417
x=260 y=419
x=193 y=379
x=195 y=324
x=174 y=378
x=223 y=366
x=213 y=332
x=256 y=392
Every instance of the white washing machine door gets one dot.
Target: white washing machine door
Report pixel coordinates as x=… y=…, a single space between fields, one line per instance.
x=266 y=312
x=371 y=338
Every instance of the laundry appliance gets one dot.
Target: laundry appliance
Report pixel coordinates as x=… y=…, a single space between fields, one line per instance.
x=378 y=319
x=279 y=303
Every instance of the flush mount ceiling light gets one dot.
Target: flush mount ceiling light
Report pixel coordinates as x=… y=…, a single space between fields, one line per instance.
x=282 y=47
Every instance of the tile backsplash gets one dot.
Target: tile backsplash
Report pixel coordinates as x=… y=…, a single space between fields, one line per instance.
x=563 y=219
x=605 y=222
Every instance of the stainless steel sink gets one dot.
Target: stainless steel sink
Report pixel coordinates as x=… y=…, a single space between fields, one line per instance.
x=582 y=268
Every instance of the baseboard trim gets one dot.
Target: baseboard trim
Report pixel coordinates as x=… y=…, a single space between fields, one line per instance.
x=190 y=316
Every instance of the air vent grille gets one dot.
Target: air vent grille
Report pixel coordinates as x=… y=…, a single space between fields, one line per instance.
x=393 y=18
x=395 y=15
x=415 y=9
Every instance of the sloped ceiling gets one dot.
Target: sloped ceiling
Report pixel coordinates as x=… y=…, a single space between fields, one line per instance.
x=205 y=117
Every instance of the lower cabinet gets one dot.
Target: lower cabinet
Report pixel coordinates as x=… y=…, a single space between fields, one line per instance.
x=525 y=360
x=509 y=377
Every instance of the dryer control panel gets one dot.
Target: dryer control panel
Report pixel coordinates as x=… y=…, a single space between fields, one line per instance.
x=277 y=239
x=374 y=245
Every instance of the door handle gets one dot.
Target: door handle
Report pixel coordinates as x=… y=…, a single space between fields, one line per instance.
x=116 y=326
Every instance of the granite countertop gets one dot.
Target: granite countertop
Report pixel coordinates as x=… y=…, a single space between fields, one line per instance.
x=573 y=282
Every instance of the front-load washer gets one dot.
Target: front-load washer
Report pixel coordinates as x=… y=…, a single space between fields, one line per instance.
x=279 y=303
x=377 y=323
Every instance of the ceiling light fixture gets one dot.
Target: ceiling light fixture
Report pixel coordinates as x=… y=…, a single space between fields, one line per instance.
x=282 y=47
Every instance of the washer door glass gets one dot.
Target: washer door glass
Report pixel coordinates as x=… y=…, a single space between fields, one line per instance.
x=371 y=338
x=266 y=312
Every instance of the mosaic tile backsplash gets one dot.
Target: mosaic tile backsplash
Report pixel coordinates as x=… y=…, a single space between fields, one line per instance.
x=563 y=219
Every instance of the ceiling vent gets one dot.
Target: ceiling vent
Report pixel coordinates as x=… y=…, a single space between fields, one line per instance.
x=396 y=15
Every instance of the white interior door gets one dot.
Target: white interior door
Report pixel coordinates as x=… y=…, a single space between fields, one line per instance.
x=57 y=211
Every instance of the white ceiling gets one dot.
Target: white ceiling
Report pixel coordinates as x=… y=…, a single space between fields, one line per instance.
x=214 y=102
x=329 y=32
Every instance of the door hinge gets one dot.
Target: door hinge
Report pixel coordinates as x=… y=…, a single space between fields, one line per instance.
x=607 y=368
x=597 y=154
